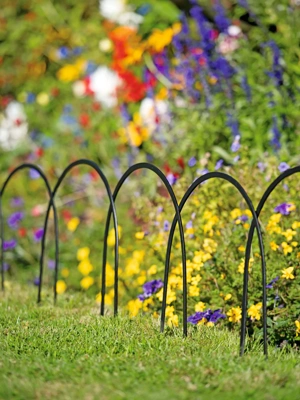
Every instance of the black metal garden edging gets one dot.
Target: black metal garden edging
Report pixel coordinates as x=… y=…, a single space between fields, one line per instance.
x=177 y=219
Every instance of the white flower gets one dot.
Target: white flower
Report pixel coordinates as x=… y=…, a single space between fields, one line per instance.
x=154 y=112
x=78 y=88
x=13 y=126
x=234 y=30
x=118 y=11
x=105 y=45
x=104 y=83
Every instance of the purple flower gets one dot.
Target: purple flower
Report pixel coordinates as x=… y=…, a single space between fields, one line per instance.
x=232 y=123
x=150 y=288
x=33 y=174
x=219 y=164
x=14 y=219
x=189 y=225
x=9 y=244
x=166 y=226
x=171 y=179
x=38 y=234
x=16 y=202
x=261 y=166
x=36 y=281
x=209 y=315
x=192 y=162
x=51 y=264
x=270 y=285
x=221 y=20
x=283 y=209
x=283 y=167
x=236 y=144
x=243 y=218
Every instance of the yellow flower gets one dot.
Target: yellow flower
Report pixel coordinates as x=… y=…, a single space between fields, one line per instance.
x=235 y=314
x=61 y=287
x=294 y=244
x=73 y=223
x=132 y=267
x=159 y=39
x=296 y=225
x=110 y=275
x=171 y=295
x=286 y=248
x=109 y=297
x=141 y=280
x=228 y=297
x=287 y=273
x=134 y=306
x=297 y=323
x=42 y=99
x=85 y=267
x=87 y=282
x=241 y=266
x=139 y=255
x=289 y=233
x=140 y=235
x=242 y=248
x=255 y=311
x=83 y=253
x=169 y=311
x=69 y=72
x=194 y=291
x=236 y=213
x=65 y=272
x=152 y=270
x=200 y=306
x=173 y=321
x=111 y=236
x=274 y=246
x=210 y=324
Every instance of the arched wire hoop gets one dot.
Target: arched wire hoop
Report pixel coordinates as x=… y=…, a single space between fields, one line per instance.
x=260 y=206
x=51 y=203
x=255 y=224
x=93 y=165
x=163 y=178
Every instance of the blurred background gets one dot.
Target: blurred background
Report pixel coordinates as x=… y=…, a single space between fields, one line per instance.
x=187 y=85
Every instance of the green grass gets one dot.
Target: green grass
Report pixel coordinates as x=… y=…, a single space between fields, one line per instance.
x=69 y=352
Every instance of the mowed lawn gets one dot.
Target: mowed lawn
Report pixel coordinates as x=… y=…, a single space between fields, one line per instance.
x=69 y=352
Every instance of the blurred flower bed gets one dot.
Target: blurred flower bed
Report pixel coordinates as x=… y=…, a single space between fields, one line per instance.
x=214 y=87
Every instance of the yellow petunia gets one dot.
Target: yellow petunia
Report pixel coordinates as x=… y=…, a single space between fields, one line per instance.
x=134 y=306
x=287 y=273
x=85 y=267
x=73 y=224
x=173 y=321
x=200 y=306
x=83 y=253
x=286 y=248
x=140 y=235
x=255 y=311
x=87 y=282
x=228 y=297
x=235 y=314
x=61 y=287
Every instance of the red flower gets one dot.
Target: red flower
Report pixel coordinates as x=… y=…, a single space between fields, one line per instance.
x=84 y=120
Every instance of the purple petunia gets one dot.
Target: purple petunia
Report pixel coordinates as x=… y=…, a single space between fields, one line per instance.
x=283 y=167
x=51 y=264
x=150 y=288
x=38 y=234
x=166 y=226
x=261 y=166
x=283 y=209
x=192 y=162
x=9 y=244
x=171 y=179
x=219 y=164
x=236 y=144
x=270 y=284
x=14 y=219
x=34 y=174
x=209 y=315
x=17 y=202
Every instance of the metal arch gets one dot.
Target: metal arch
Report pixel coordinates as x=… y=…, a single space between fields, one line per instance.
x=255 y=224
x=51 y=203
x=161 y=175
x=93 y=165
x=260 y=206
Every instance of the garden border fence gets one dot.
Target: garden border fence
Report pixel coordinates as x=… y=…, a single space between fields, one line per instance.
x=112 y=196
